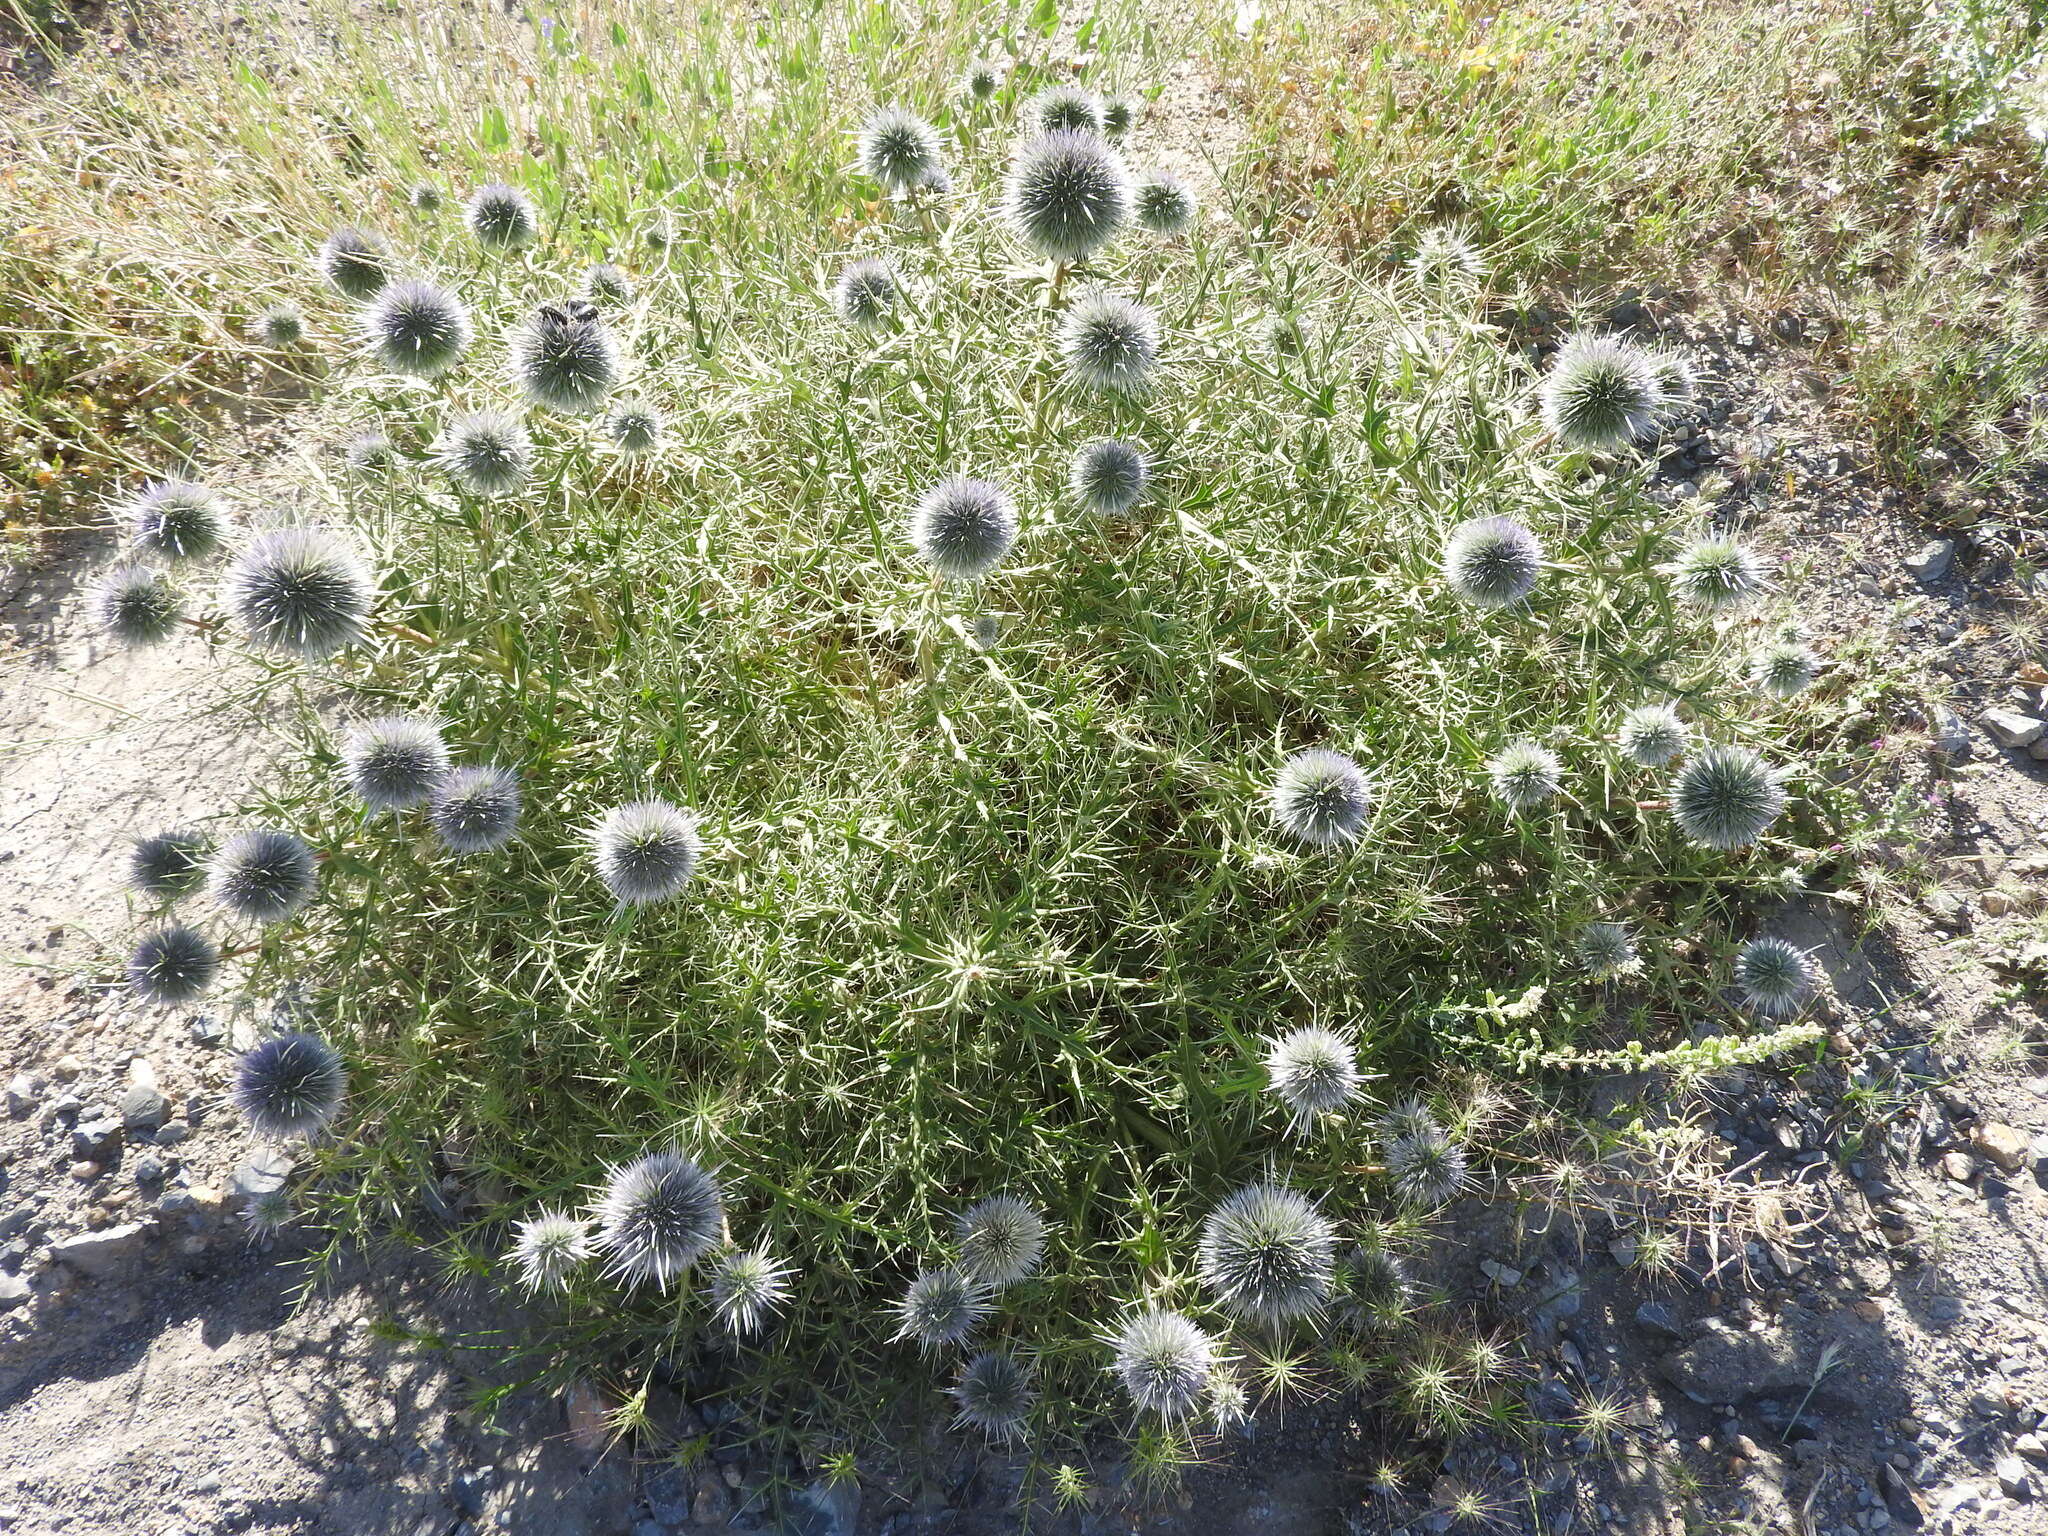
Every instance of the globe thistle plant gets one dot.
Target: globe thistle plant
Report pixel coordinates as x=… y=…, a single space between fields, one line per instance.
x=393 y=762
x=1163 y=203
x=474 y=810
x=548 y=1250
x=1445 y=256
x=368 y=454
x=1064 y=108
x=635 y=428
x=748 y=1287
x=1110 y=343
x=1677 y=381
x=1267 y=1255
x=982 y=79
x=1600 y=394
x=290 y=1085
x=1651 y=735
x=657 y=1216
x=173 y=965
x=1119 y=116
x=1526 y=776
x=1785 y=669
x=486 y=453
x=1322 y=798
x=608 y=284
x=564 y=357
x=137 y=605
x=1492 y=562
x=266 y=1213
x=899 y=150
x=1164 y=1361
x=995 y=1395
x=866 y=294
x=300 y=590
x=1002 y=1241
x=1067 y=195
x=645 y=851
x=501 y=217
x=1718 y=575
x=1725 y=797
x=1774 y=977
x=355 y=263
x=280 y=326
x=1314 y=1072
x=940 y=1307
x=964 y=527
x=1426 y=1167
x=264 y=874
x=1607 y=950
x=177 y=520
x=1109 y=477
x=1282 y=336
x=416 y=328
x=424 y=197
x=167 y=865
x=1372 y=1288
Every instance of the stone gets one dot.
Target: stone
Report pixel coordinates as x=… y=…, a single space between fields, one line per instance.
x=67 y=1068
x=1959 y=1166
x=2001 y=1143
x=586 y=1410
x=171 y=1133
x=712 y=1505
x=667 y=1491
x=2032 y=1446
x=149 y=1169
x=825 y=1509
x=2010 y=728
x=21 y=1095
x=1658 y=1317
x=102 y=1255
x=143 y=1106
x=2015 y=1478
x=264 y=1172
x=1944 y=1309
x=1997 y=903
x=1951 y=733
x=1932 y=560
x=96 y=1140
x=14 y=1292
x=1729 y=1367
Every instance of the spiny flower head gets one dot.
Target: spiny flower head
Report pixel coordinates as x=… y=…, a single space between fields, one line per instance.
x=964 y=527
x=302 y=590
x=1164 y=1361
x=424 y=197
x=548 y=1249
x=280 y=326
x=267 y=1212
x=900 y=150
x=1725 y=796
x=167 y=865
x=1267 y=1255
x=1064 y=108
x=474 y=810
x=1427 y=1167
x=1322 y=798
x=368 y=453
x=1110 y=342
x=392 y=762
x=635 y=427
x=1163 y=203
x=264 y=873
x=290 y=1085
x=501 y=217
x=1314 y=1072
x=995 y=1395
x=1600 y=394
x=137 y=605
x=416 y=328
x=173 y=965
x=983 y=78
x=1446 y=257
x=748 y=1287
x=177 y=520
x=355 y=263
x=645 y=851
x=1784 y=669
x=1067 y=194
x=1652 y=735
x=1405 y=1117
x=1607 y=950
x=1526 y=776
x=1002 y=1241
x=609 y=284
x=1283 y=335
x=940 y=1307
x=657 y=1216
x=1719 y=575
x=1492 y=562
x=1677 y=381
x=486 y=453
x=1109 y=477
x=1774 y=977
x=866 y=293
x=1119 y=114
x=564 y=357
x=1372 y=1285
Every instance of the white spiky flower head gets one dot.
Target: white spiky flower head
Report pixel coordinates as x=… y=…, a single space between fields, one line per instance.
x=280 y=326
x=1526 y=776
x=549 y=1249
x=1267 y=1255
x=635 y=427
x=368 y=454
x=137 y=605
x=645 y=851
x=657 y=1216
x=983 y=78
x=264 y=873
x=1314 y=1072
x=1427 y=1167
x=1726 y=796
x=289 y=1086
x=1446 y=257
x=1607 y=950
x=1784 y=669
x=1109 y=477
x=302 y=590
x=501 y=217
x=1677 y=379
x=565 y=358
x=1120 y=115
x=355 y=263
x=1064 y=108
x=176 y=520
x=963 y=527
x=1717 y=574
x=1067 y=194
x=1163 y=203
x=486 y=453
x=995 y=1394
x=475 y=810
x=1600 y=394
x=173 y=965
x=900 y=150
x=1164 y=1361
x=867 y=293
x=266 y=1213
x=748 y=1287
x=1322 y=798
x=1283 y=335
x=608 y=284
x=416 y=328
x=1651 y=735
x=1774 y=977
x=393 y=762
x=166 y=866
x=424 y=197
x=940 y=1307
x=1110 y=342
x=1001 y=1240
x=1492 y=562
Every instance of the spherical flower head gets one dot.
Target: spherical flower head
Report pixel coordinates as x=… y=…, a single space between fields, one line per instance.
x=964 y=527
x=1718 y=575
x=1526 y=776
x=608 y=284
x=1110 y=343
x=995 y=1394
x=1600 y=394
x=1322 y=798
x=265 y=874
x=424 y=197
x=940 y=1307
x=1724 y=797
x=393 y=762
x=501 y=217
x=1406 y=1117
x=748 y=1287
x=485 y=453
x=369 y=454
x=292 y=1085
x=301 y=590
x=416 y=328
x=866 y=293
x=1492 y=562
x=474 y=810
x=1607 y=950
x=1119 y=115
x=1067 y=194
x=1314 y=1072
x=1163 y=203
x=1785 y=669
x=137 y=605
x=1064 y=108
x=1164 y=1361
x=1283 y=336
x=646 y=851
x=1267 y=1255
x=355 y=263
x=1002 y=1241
x=1651 y=735
x=1372 y=1284
x=548 y=1249
x=983 y=78
x=1677 y=380
x=635 y=428
x=564 y=357
x=279 y=326
x=899 y=149
x=1446 y=257
x=657 y=1217
x=267 y=1212
x=1774 y=977
x=1427 y=1168
x=1109 y=477
x=173 y=965
x=167 y=865
x=177 y=520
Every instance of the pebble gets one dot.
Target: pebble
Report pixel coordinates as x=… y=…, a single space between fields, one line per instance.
x=1932 y=560
x=2001 y=1143
x=21 y=1094
x=2010 y=728
x=14 y=1292
x=2015 y=1478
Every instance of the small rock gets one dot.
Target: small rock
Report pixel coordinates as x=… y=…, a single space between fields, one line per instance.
x=149 y=1169
x=586 y=1409
x=2000 y=1143
x=102 y=1254
x=1997 y=903
x=826 y=1509
x=21 y=1094
x=96 y=1140
x=1945 y=1309
x=143 y=1106
x=2010 y=728
x=1658 y=1317
x=1932 y=561
x=2032 y=1446
x=2015 y=1478
x=1951 y=733
x=1959 y=1166
x=14 y=1292
x=67 y=1068
x=172 y=1132
x=264 y=1172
